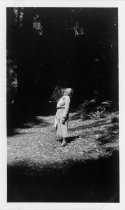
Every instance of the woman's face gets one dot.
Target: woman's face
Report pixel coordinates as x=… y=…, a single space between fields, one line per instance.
x=68 y=92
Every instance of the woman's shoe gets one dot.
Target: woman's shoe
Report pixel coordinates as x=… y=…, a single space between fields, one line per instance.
x=63 y=144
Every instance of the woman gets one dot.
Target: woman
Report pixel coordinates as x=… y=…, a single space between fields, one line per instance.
x=62 y=114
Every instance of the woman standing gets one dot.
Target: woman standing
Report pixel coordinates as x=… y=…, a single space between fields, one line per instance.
x=62 y=114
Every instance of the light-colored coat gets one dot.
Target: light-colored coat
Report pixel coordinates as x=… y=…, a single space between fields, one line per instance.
x=62 y=116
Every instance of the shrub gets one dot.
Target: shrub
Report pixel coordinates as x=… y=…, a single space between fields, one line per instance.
x=82 y=110
x=11 y=81
x=91 y=109
x=114 y=120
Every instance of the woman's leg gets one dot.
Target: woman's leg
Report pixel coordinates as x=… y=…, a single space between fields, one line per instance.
x=63 y=142
x=64 y=133
x=55 y=123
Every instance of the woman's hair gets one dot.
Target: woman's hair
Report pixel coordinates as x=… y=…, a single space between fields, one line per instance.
x=68 y=91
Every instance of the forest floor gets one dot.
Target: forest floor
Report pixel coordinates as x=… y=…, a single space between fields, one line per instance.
x=85 y=170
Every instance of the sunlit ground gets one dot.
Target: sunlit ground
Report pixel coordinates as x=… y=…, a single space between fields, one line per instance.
x=86 y=170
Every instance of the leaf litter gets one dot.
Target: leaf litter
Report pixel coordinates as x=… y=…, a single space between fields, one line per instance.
x=91 y=139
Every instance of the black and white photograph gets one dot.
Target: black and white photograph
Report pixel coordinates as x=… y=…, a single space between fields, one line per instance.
x=62 y=105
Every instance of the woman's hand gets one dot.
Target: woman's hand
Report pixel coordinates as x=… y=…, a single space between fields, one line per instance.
x=63 y=120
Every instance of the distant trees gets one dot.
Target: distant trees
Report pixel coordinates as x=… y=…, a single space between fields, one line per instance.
x=11 y=80
x=77 y=46
x=23 y=24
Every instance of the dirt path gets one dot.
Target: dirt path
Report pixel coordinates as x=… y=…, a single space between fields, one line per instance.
x=39 y=169
x=39 y=143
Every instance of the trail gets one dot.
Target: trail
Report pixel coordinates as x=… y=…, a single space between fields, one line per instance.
x=39 y=169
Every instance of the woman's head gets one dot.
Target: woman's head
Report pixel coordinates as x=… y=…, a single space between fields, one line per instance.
x=68 y=91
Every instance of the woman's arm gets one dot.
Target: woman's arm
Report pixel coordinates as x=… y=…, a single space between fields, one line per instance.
x=67 y=104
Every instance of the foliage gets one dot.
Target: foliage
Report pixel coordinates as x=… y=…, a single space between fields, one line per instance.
x=37 y=25
x=90 y=109
x=55 y=38
x=11 y=80
x=111 y=134
x=115 y=119
x=19 y=16
x=82 y=110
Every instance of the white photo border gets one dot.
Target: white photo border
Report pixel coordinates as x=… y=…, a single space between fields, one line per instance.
x=3 y=143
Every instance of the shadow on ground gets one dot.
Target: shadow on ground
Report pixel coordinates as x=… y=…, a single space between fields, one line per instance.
x=90 y=181
x=72 y=138
x=93 y=124
x=21 y=118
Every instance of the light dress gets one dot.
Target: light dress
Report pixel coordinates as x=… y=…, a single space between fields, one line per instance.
x=62 y=116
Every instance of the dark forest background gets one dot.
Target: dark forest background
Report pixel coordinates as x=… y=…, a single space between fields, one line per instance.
x=60 y=47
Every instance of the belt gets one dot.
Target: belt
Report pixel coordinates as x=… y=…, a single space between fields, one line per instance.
x=60 y=107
